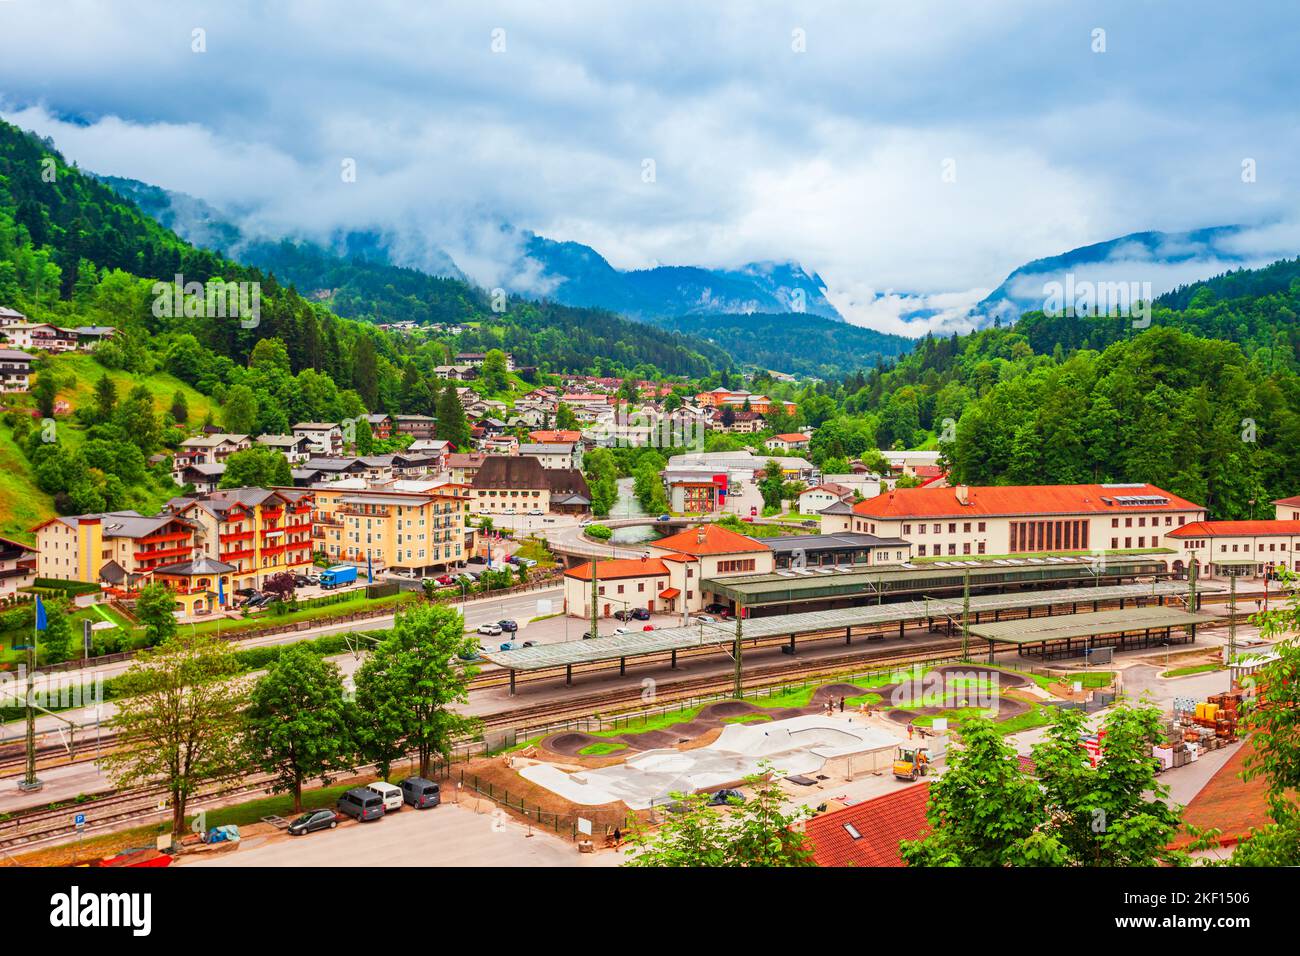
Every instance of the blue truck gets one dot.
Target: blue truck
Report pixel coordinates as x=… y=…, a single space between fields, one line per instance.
x=338 y=575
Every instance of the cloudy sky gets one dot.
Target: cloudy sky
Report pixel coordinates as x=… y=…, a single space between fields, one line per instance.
x=922 y=149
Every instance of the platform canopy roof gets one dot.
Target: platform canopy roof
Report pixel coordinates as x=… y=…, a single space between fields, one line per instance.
x=1089 y=624
x=638 y=643
x=813 y=583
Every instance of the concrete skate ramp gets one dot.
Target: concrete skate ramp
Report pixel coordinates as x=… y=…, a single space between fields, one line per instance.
x=800 y=745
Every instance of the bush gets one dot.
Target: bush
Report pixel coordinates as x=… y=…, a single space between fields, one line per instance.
x=599 y=531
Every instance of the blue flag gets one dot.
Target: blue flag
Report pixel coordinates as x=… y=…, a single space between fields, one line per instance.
x=370 y=573
x=221 y=590
x=40 y=614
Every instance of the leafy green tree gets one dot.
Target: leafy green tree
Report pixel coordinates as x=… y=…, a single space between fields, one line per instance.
x=493 y=374
x=297 y=721
x=137 y=421
x=406 y=687
x=44 y=392
x=105 y=398
x=756 y=832
x=156 y=607
x=257 y=468
x=180 y=408
x=239 y=414
x=452 y=424
x=178 y=720
x=56 y=641
x=565 y=419
x=983 y=811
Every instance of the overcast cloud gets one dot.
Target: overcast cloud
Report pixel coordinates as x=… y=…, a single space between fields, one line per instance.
x=832 y=158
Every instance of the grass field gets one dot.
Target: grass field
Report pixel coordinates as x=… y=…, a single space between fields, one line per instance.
x=79 y=372
x=22 y=504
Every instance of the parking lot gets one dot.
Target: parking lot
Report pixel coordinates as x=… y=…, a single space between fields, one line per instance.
x=469 y=834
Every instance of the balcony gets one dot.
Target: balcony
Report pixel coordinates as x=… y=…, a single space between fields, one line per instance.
x=301 y=526
x=165 y=537
x=158 y=554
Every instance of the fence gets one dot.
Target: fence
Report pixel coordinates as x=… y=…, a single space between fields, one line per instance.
x=562 y=824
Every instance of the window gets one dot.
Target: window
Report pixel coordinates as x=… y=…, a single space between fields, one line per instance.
x=920 y=550
x=981 y=526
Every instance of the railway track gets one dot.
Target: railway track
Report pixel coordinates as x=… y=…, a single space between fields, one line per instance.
x=41 y=826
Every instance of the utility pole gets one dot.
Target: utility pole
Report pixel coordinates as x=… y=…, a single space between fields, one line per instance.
x=1191 y=594
x=30 y=783
x=1232 y=620
x=965 y=616
x=595 y=588
x=738 y=690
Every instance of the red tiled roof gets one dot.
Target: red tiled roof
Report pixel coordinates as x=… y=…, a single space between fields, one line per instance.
x=668 y=593
x=1000 y=500
x=1288 y=502
x=791 y=437
x=927 y=471
x=620 y=568
x=555 y=437
x=1231 y=529
x=716 y=541
x=1228 y=803
x=881 y=823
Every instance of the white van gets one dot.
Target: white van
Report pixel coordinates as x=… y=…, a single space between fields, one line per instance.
x=391 y=793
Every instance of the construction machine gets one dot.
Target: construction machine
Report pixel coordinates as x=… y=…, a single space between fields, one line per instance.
x=911 y=762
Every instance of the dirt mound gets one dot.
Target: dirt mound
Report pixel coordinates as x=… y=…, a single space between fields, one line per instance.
x=972 y=670
x=728 y=708
x=569 y=743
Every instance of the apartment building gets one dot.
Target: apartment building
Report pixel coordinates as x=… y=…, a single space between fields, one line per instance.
x=791 y=441
x=476 y=360
x=1000 y=520
x=816 y=499
x=325 y=438
x=39 y=337
x=117 y=548
x=557 y=455
x=15 y=371
x=404 y=532
x=381 y=426
x=257 y=532
x=296 y=448
x=419 y=426
x=17 y=567
x=509 y=485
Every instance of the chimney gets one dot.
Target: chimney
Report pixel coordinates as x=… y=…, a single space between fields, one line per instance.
x=962 y=493
x=699 y=535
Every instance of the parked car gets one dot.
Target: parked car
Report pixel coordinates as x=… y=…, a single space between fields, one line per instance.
x=530 y=643
x=641 y=614
x=509 y=646
x=623 y=615
x=723 y=797
x=527 y=562
x=537 y=512
x=301 y=580
x=245 y=592
x=510 y=626
x=665 y=518
x=588 y=635
x=471 y=656
x=706 y=619
x=361 y=803
x=445 y=579
x=314 y=820
x=622 y=630
x=648 y=627
x=421 y=793
x=491 y=630
x=391 y=794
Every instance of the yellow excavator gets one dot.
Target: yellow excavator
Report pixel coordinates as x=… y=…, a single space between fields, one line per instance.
x=911 y=762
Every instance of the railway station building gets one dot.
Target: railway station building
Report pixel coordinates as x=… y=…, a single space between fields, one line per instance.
x=969 y=521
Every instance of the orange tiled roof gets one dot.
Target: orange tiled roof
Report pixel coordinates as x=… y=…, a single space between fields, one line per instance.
x=1000 y=500
x=716 y=541
x=881 y=823
x=555 y=437
x=1229 y=529
x=1228 y=803
x=1288 y=502
x=791 y=437
x=620 y=568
